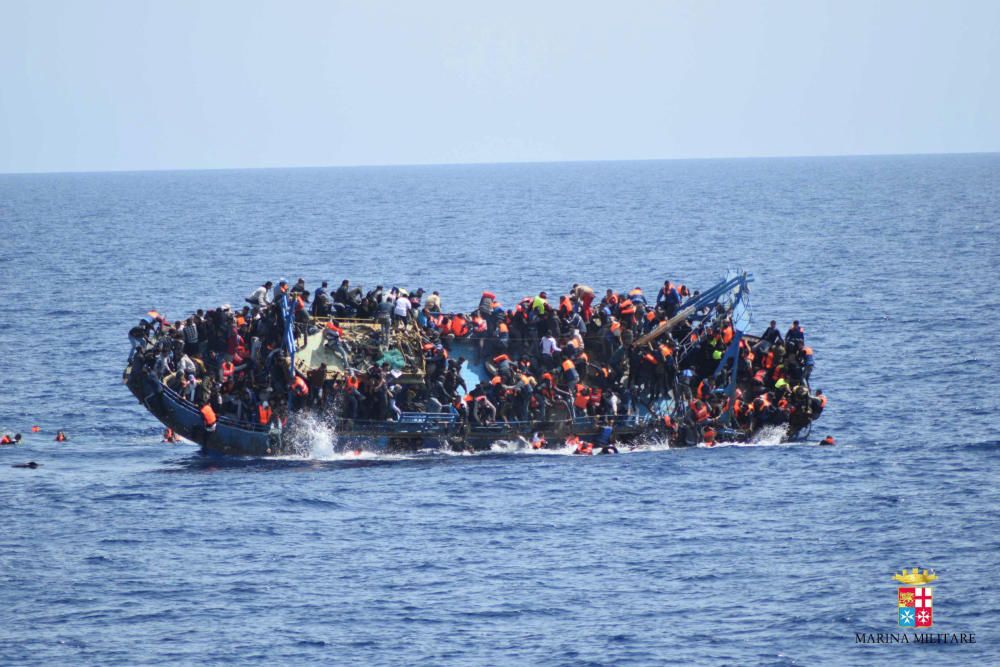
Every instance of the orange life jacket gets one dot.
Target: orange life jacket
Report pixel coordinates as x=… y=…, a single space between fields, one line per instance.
x=650 y=358
x=700 y=411
x=299 y=387
x=582 y=399
x=353 y=382
x=568 y=365
x=503 y=328
x=333 y=327
x=459 y=326
x=500 y=358
x=227 y=370
x=264 y=414
x=709 y=436
x=208 y=415
x=6 y=440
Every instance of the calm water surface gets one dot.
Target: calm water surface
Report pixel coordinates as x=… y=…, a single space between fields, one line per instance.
x=121 y=550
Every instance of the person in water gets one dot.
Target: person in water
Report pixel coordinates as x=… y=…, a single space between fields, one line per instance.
x=61 y=436
x=828 y=440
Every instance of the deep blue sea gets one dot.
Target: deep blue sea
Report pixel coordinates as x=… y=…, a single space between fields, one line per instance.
x=121 y=550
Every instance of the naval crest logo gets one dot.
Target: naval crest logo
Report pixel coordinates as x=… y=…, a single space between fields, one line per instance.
x=915 y=599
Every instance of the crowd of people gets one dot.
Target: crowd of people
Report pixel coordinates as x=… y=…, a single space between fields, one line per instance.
x=548 y=358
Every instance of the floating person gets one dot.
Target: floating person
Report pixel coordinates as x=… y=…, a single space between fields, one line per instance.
x=708 y=436
x=608 y=449
x=537 y=441
x=7 y=440
x=61 y=436
x=583 y=448
x=29 y=464
x=828 y=440
x=169 y=435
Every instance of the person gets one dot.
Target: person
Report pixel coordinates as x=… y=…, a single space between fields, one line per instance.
x=433 y=303
x=770 y=337
x=321 y=302
x=29 y=464
x=6 y=439
x=343 y=293
x=61 y=436
x=539 y=303
x=385 y=309
x=137 y=338
x=828 y=440
x=401 y=311
x=169 y=435
x=190 y=333
x=260 y=297
x=608 y=449
x=582 y=447
x=796 y=334
x=548 y=349
x=537 y=441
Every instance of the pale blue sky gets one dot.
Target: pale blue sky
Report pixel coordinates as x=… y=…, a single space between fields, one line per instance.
x=103 y=85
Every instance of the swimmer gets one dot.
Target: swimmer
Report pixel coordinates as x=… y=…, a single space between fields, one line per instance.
x=61 y=437
x=828 y=440
x=29 y=464
x=608 y=449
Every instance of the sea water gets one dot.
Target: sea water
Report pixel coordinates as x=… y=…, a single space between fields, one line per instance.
x=124 y=550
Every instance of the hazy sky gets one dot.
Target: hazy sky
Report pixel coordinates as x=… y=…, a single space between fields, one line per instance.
x=102 y=85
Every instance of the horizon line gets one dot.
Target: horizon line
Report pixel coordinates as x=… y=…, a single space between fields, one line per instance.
x=488 y=163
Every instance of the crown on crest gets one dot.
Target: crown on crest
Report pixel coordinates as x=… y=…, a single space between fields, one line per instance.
x=915 y=577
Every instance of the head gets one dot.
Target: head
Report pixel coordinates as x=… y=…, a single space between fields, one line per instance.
x=773 y=324
x=325 y=284
x=543 y=295
x=795 y=323
x=268 y=285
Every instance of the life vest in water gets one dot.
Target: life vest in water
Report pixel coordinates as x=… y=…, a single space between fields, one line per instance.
x=828 y=440
x=208 y=417
x=584 y=448
x=537 y=442
x=6 y=440
x=36 y=429
x=299 y=387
